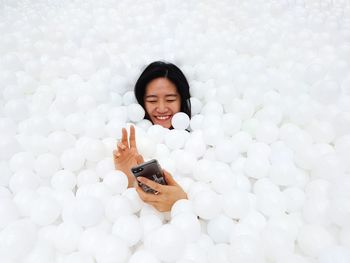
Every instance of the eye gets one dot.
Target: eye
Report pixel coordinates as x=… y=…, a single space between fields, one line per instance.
x=172 y=100
x=151 y=101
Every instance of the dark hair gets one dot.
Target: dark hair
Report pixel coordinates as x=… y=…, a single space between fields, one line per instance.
x=160 y=69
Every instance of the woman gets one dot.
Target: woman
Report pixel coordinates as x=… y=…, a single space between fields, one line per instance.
x=162 y=90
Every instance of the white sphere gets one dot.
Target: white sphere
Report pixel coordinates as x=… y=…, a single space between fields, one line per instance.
x=149 y=223
x=219 y=229
x=135 y=112
x=116 y=181
x=60 y=141
x=67 y=237
x=225 y=151
x=181 y=206
x=45 y=211
x=128 y=228
x=64 y=180
x=236 y=204
x=46 y=165
x=207 y=204
x=196 y=105
x=22 y=161
x=231 y=124
x=73 y=123
x=307 y=236
x=9 y=212
x=180 y=121
x=167 y=243
x=87 y=177
x=245 y=248
x=72 y=160
x=22 y=180
x=94 y=150
x=117 y=206
x=17 y=240
x=188 y=224
x=334 y=254
x=134 y=199
x=143 y=256
x=24 y=200
x=112 y=249
x=88 y=211
x=256 y=167
x=95 y=127
x=295 y=198
x=267 y=132
x=175 y=139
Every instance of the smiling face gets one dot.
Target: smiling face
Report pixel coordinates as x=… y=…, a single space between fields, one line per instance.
x=162 y=101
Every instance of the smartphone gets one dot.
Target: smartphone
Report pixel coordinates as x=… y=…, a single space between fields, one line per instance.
x=150 y=170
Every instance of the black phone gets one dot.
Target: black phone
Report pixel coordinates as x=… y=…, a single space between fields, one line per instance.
x=150 y=170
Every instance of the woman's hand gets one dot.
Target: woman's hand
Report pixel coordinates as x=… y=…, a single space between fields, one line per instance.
x=126 y=155
x=167 y=194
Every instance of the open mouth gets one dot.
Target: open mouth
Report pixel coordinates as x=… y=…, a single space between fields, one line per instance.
x=163 y=117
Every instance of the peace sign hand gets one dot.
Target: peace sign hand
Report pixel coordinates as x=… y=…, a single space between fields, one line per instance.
x=126 y=155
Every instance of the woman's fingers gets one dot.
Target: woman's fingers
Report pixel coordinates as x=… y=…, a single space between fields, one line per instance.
x=155 y=186
x=124 y=137
x=147 y=197
x=132 y=138
x=139 y=159
x=169 y=179
x=121 y=147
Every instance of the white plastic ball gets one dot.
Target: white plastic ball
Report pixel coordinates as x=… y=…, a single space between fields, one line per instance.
x=128 y=228
x=67 y=237
x=135 y=112
x=17 y=240
x=207 y=204
x=188 y=224
x=143 y=256
x=45 y=211
x=46 y=165
x=88 y=211
x=149 y=223
x=225 y=151
x=167 y=243
x=112 y=249
x=72 y=160
x=219 y=229
x=87 y=177
x=307 y=236
x=23 y=180
x=236 y=204
x=60 y=141
x=180 y=121
x=64 y=180
x=22 y=161
x=116 y=181
x=181 y=206
x=9 y=212
x=117 y=206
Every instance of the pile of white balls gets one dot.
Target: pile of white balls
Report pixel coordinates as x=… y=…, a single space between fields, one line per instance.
x=266 y=164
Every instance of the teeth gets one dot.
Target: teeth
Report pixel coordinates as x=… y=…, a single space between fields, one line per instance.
x=162 y=117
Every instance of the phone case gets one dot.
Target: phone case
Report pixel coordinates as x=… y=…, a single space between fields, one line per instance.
x=150 y=170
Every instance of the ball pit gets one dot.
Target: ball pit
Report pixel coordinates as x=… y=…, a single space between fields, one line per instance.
x=264 y=158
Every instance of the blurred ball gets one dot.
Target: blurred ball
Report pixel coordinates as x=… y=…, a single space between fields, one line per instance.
x=167 y=243
x=180 y=121
x=128 y=229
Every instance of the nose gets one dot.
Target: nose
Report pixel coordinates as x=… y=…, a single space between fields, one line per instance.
x=161 y=106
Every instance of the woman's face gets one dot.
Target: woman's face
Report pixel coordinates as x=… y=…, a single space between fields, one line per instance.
x=162 y=101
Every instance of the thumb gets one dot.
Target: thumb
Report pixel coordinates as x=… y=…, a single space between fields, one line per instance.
x=168 y=178
x=139 y=159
